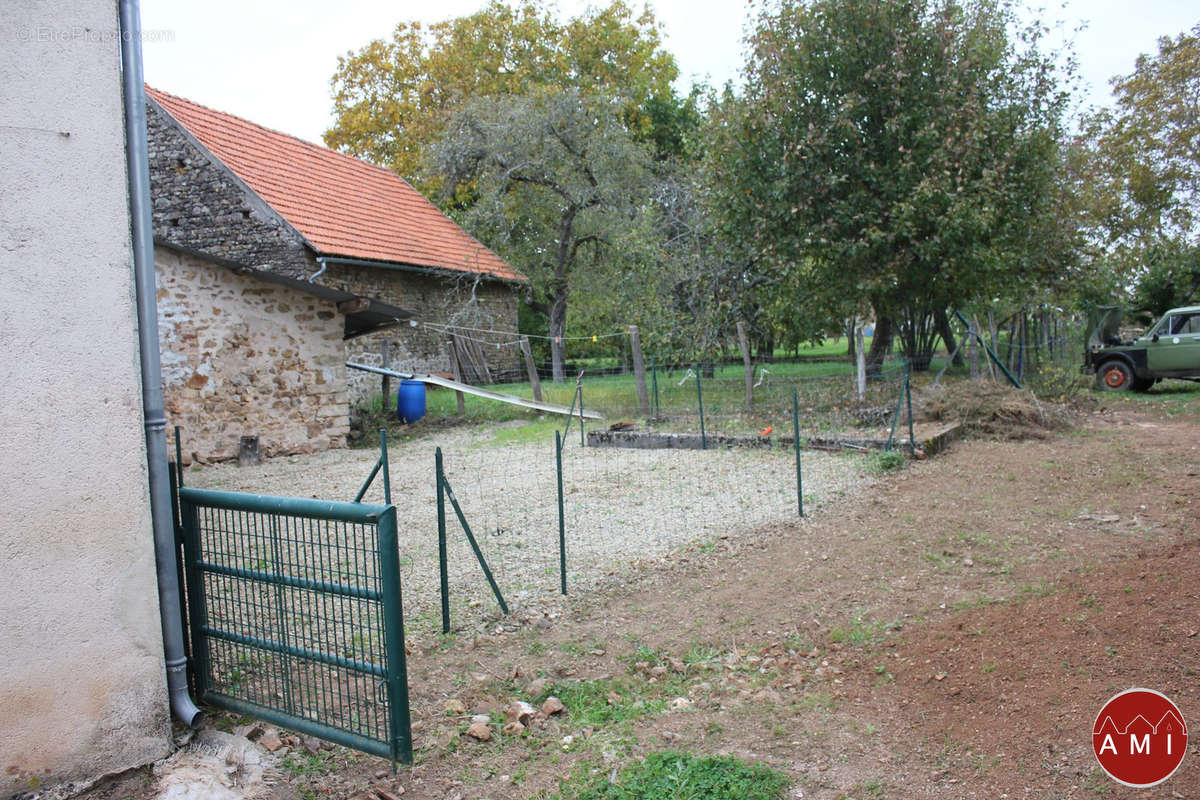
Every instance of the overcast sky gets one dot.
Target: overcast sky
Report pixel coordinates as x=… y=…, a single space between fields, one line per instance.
x=270 y=61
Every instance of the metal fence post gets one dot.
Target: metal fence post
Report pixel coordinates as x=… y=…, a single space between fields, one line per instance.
x=700 y=399
x=443 y=571
x=579 y=389
x=383 y=460
x=562 y=528
x=487 y=571
x=912 y=439
x=197 y=609
x=400 y=722
x=796 y=443
x=654 y=381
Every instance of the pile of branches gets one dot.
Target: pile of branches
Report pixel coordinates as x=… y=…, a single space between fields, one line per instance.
x=993 y=410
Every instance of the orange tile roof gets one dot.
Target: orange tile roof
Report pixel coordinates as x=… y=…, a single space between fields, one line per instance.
x=343 y=206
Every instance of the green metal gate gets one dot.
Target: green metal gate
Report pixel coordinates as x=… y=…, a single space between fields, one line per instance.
x=295 y=615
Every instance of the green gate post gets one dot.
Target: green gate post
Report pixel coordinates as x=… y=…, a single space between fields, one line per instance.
x=399 y=720
x=796 y=443
x=562 y=528
x=443 y=570
x=197 y=610
x=700 y=398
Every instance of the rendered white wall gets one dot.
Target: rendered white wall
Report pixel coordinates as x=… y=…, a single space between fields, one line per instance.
x=82 y=687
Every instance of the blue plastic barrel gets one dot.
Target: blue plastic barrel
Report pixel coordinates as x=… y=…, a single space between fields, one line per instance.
x=410 y=401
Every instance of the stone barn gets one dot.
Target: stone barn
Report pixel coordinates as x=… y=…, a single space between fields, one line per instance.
x=278 y=260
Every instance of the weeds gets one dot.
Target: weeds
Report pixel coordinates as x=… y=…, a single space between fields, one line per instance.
x=673 y=775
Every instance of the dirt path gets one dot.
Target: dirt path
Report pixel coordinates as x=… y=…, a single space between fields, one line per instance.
x=951 y=634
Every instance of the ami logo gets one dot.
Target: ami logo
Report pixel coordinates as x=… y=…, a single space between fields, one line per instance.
x=1139 y=737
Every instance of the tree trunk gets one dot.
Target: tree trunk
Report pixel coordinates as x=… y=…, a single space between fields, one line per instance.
x=558 y=328
x=851 y=326
x=558 y=306
x=947 y=333
x=881 y=345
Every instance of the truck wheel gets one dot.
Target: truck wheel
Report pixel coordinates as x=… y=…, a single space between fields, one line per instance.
x=1115 y=376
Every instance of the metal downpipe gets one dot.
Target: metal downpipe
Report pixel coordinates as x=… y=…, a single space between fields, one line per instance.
x=138 y=165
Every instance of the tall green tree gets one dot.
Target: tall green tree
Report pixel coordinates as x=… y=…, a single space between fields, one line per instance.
x=900 y=157
x=1139 y=173
x=392 y=99
x=559 y=186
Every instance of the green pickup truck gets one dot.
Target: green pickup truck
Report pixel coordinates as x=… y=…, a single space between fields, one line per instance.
x=1170 y=349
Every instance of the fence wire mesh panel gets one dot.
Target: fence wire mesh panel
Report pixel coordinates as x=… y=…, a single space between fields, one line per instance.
x=296 y=618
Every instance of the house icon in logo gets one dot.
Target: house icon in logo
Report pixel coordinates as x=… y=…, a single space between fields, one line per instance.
x=1142 y=736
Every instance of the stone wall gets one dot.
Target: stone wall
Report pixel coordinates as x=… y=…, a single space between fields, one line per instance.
x=82 y=680
x=243 y=357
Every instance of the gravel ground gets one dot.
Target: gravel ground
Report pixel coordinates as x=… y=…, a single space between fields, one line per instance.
x=623 y=508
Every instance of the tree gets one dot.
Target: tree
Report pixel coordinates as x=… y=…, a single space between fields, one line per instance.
x=900 y=157
x=558 y=184
x=1139 y=167
x=392 y=99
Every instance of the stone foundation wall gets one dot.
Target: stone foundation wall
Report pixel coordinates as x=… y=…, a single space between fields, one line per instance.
x=242 y=357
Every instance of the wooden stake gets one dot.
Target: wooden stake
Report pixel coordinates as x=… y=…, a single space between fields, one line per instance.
x=746 y=363
x=531 y=368
x=639 y=371
x=457 y=370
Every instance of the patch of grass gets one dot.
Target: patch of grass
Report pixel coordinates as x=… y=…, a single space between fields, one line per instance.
x=700 y=654
x=540 y=431
x=813 y=700
x=601 y=702
x=887 y=461
x=647 y=654
x=673 y=775
x=861 y=631
x=301 y=764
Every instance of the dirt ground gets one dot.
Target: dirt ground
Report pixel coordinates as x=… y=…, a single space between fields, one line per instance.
x=952 y=632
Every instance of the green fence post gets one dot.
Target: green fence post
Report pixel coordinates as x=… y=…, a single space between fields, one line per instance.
x=562 y=528
x=654 y=381
x=443 y=571
x=197 y=610
x=796 y=443
x=570 y=415
x=895 y=420
x=700 y=399
x=991 y=353
x=487 y=571
x=383 y=460
x=579 y=389
x=912 y=439
x=178 y=459
x=400 y=722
